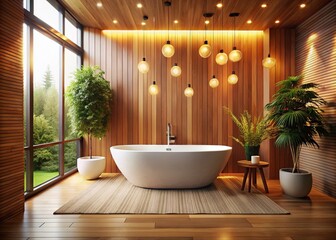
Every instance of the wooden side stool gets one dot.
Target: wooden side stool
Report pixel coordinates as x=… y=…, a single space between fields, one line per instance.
x=251 y=172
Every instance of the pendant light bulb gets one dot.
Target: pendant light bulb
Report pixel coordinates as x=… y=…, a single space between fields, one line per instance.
x=235 y=55
x=213 y=82
x=205 y=50
x=175 y=70
x=168 y=50
x=268 y=62
x=153 y=89
x=143 y=66
x=189 y=92
x=221 y=58
x=233 y=78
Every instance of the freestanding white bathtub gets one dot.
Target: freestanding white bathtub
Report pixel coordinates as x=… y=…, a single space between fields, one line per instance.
x=171 y=166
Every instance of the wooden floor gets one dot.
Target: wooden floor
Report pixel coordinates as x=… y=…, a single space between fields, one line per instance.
x=313 y=218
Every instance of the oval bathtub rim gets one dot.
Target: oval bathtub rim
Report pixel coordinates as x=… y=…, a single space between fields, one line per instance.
x=214 y=148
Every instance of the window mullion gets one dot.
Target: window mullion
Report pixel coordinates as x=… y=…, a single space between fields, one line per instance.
x=30 y=115
x=61 y=113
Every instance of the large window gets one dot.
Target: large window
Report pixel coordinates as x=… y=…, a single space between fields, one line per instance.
x=51 y=147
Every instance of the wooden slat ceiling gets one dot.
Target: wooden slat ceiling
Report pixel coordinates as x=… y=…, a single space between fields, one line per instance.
x=189 y=13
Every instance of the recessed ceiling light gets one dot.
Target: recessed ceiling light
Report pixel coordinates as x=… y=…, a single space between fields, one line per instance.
x=99 y=4
x=219 y=5
x=139 y=5
x=143 y=23
x=249 y=21
x=176 y=21
x=115 y=21
x=206 y=21
x=264 y=5
x=277 y=21
x=302 y=5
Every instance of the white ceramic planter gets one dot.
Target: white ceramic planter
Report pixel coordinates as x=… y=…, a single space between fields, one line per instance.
x=295 y=184
x=91 y=168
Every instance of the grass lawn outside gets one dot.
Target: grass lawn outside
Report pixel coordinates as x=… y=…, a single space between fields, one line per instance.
x=41 y=177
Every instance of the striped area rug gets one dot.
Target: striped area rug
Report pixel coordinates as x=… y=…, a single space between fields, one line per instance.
x=113 y=194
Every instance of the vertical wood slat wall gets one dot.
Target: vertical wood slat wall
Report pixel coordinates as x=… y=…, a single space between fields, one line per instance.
x=282 y=48
x=11 y=109
x=315 y=59
x=139 y=118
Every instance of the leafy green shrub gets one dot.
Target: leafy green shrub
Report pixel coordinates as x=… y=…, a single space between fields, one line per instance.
x=253 y=131
x=89 y=97
x=296 y=113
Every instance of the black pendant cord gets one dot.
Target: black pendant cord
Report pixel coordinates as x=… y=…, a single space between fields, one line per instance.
x=205 y=28
x=168 y=23
x=213 y=44
x=143 y=43
x=190 y=62
x=234 y=32
x=155 y=48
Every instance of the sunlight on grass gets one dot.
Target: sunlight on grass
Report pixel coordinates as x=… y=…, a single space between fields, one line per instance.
x=41 y=177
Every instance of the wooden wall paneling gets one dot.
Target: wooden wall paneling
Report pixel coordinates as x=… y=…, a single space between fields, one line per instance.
x=134 y=93
x=11 y=110
x=282 y=45
x=196 y=105
x=138 y=117
x=105 y=140
x=315 y=60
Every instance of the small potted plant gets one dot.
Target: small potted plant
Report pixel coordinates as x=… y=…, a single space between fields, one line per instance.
x=253 y=131
x=89 y=97
x=296 y=114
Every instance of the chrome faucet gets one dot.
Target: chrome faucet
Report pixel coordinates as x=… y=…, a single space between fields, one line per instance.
x=170 y=137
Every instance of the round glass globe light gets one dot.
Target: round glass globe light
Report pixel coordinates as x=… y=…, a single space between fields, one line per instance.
x=268 y=62
x=221 y=58
x=153 y=89
x=213 y=82
x=175 y=71
x=143 y=66
x=235 y=55
x=168 y=50
x=189 y=92
x=205 y=50
x=233 y=78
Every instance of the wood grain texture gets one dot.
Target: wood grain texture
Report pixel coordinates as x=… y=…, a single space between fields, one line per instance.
x=139 y=118
x=282 y=48
x=313 y=218
x=189 y=13
x=315 y=59
x=11 y=109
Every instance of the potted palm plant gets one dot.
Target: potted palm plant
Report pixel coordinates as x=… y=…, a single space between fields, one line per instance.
x=296 y=114
x=253 y=131
x=89 y=97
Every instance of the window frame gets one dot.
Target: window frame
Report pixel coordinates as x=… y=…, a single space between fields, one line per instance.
x=34 y=23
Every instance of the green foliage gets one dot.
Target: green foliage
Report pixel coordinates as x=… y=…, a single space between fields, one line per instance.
x=295 y=112
x=70 y=156
x=43 y=132
x=48 y=79
x=252 y=130
x=89 y=97
x=45 y=159
x=51 y=108
x=39 y=100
